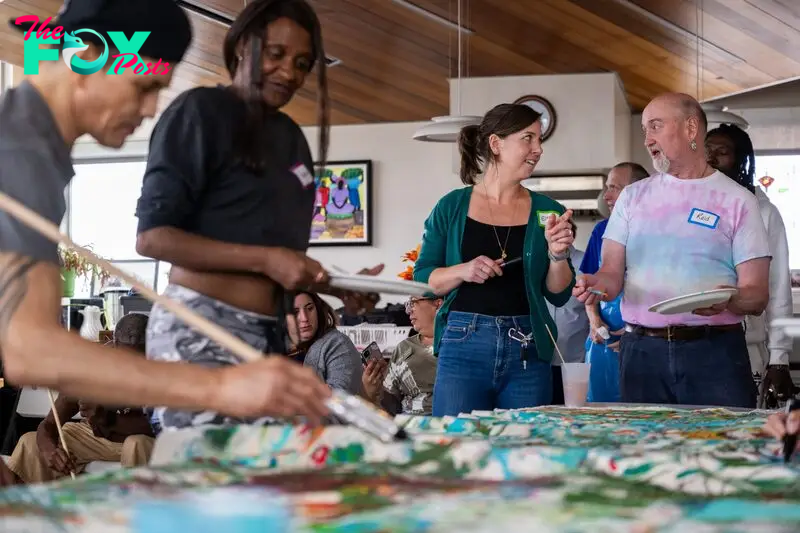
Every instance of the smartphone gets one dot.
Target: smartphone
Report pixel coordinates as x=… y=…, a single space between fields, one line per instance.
x=372 y=351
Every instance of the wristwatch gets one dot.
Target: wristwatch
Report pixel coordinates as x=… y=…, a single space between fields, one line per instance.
x=560 y=257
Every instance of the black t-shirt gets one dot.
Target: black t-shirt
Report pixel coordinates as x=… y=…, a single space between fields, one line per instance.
x=35 y=167
x=502 y=295
x=193 y=182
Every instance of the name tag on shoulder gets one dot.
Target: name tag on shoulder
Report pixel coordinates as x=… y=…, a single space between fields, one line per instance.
x=703 y=218
x=544 y=215
x=303 y=174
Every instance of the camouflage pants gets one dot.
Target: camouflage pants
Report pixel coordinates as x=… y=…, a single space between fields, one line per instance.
x=170 y=339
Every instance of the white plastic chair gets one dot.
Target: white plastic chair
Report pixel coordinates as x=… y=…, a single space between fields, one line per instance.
x=34 y=402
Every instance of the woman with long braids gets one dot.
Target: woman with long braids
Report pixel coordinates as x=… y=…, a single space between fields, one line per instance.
x=228 y=195
x=730 y=151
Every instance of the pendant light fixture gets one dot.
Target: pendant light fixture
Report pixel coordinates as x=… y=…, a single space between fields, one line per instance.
x=715 y=114
x=447 y=129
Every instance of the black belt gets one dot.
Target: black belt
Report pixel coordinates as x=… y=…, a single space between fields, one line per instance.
x=682 y=333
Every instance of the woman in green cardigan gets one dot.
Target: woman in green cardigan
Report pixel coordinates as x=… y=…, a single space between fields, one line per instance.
x=495 y=251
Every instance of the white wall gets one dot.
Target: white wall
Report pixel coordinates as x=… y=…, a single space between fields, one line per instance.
x=622 y=124
x=773 y=129
x=639 y=153
x=593 y=116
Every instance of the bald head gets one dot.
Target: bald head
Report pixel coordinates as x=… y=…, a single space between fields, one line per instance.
x=675 y=126
x=687 y=106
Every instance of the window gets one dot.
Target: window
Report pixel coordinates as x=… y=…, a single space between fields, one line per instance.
x=103 y=205
x=784 y=192
x=101 y=215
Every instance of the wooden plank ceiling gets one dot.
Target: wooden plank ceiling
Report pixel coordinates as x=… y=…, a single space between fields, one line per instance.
x=396 y=63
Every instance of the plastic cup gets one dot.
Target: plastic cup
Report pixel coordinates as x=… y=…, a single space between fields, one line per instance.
x=575 y=378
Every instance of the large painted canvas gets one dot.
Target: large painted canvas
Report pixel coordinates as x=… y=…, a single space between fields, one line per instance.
x=343 y=204
x=551 y=470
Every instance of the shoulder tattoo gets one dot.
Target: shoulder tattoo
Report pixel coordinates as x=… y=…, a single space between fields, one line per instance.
x=13 y=285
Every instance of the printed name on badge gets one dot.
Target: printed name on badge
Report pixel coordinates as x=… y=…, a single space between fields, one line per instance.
x=703 y=218
x=544 y=215
x=303 y=174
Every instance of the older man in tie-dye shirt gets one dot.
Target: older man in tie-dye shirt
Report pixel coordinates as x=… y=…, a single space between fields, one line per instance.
x=687 y=228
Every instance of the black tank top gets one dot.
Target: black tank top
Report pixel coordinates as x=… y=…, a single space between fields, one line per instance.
x=502 y=295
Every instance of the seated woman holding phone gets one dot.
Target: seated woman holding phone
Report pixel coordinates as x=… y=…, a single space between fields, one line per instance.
x=319 y=345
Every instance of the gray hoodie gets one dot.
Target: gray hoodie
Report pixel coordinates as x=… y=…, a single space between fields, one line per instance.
x=337 y=362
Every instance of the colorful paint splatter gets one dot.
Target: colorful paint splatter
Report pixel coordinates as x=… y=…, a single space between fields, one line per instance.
x=547 y=470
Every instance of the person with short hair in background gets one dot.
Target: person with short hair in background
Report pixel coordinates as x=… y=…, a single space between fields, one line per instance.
x=106 y=433
x=407 y=384
x=620 y=176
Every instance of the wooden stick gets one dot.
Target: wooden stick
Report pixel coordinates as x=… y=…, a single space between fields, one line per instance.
x=48 y=229
x=555 y=344
x=347 y=406
x=58 y=427
x=206 y=327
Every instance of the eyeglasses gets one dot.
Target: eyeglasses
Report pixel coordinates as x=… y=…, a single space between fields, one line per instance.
x=413 y=301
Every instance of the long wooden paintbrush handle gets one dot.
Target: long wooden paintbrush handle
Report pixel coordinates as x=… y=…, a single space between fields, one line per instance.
x=349 y=407
x=219 y=335
x=58 y=427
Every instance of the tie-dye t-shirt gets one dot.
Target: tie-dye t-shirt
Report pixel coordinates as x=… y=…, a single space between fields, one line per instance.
x=680 y=237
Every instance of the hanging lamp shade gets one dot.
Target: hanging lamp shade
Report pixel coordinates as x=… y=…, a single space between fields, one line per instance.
x=445 y=129
x=716 y=116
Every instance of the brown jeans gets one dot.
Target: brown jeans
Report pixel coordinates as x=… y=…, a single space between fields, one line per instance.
x=27 y=463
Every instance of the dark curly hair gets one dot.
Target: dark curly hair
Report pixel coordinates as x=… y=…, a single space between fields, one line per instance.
x=743 y=154
x=131 y=330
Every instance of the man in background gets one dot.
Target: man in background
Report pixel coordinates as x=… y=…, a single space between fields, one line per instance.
x=105 y=433
x=687 y=229
x=407 y=387
x=620 y=176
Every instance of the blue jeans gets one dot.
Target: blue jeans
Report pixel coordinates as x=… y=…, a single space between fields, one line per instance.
x=480 y=367
x=713 y=370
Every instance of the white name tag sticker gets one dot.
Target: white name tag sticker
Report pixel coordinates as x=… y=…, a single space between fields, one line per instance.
x=703 y=218
x=544 y=215
x=303 y=174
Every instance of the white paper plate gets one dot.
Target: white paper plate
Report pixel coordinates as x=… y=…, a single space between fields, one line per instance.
x=362 y=283
x=689 y=302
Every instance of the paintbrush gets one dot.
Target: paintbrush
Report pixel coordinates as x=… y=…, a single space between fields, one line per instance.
x=790 y=439
x=350 y=408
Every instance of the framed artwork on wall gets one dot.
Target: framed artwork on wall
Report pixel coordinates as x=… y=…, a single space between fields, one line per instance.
x=343 y=204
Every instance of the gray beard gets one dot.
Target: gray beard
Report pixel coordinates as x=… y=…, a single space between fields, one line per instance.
x=661 y=164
